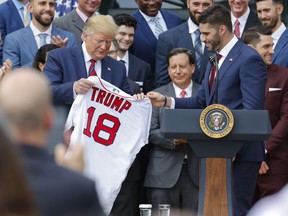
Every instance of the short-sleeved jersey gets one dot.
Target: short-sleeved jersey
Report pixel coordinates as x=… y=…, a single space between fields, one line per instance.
x=113 y=127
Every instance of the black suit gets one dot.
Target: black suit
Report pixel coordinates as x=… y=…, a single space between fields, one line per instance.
x=139 y=71
x=58 y=191
x=252 y=20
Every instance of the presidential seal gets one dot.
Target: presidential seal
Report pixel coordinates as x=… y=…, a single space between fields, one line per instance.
x=216 y=121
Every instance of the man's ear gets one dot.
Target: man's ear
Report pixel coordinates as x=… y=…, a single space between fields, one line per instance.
x=30 y=8
x=280 y=9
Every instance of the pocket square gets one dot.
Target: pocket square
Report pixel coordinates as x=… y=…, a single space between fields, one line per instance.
x=274 y=89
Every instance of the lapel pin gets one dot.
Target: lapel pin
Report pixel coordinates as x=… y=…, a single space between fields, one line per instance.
x=231 y=59
x=109 y=68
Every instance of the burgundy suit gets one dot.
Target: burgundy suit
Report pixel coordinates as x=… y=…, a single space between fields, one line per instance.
x=276 y=103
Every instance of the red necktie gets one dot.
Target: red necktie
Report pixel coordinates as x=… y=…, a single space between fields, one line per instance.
x=213 y=71
x=182 y=94
x=92 y=71
x=237 y=28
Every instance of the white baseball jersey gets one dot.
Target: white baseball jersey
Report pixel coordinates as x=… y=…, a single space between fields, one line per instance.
x=113 y=127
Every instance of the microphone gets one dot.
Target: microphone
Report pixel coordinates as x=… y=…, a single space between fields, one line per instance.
x=214 y=61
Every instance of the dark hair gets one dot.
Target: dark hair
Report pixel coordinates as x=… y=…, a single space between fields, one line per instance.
x=252 y=35
x=274 y=1
x=16 y=196
x=125 y=19
x=180 y=50
x=216 y=15
x=42 y=53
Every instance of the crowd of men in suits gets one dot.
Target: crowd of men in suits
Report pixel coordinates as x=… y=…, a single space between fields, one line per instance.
x=154 y=49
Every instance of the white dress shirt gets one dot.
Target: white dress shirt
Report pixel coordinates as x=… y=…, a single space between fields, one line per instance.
x=36 y=33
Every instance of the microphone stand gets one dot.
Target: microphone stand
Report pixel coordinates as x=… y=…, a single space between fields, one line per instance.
x=216 y=79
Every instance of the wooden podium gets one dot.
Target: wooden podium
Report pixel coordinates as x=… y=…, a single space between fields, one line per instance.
x=215 y=193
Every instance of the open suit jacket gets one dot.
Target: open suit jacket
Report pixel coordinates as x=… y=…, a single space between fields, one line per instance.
x=10 y=21
x=20 y=46
x=139 y=72
x=65 y=66
x=145 y=42
x=280 y=56
x=58 y=191
x=242 y=80
x=277 y=105
x=174 y=38
x=166 y=159
x=71 y=22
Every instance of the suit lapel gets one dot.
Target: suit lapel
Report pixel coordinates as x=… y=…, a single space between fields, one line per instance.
x=106 y=71
x=229 y=60
x=77 y=21
x=15 y=14
x=27 y=36
x=280 y=44
x=78 y=62
x=186 y=36
x=167 y=20
x=170 y=90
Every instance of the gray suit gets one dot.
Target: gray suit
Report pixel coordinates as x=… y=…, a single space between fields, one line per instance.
x=166 y=163
x=71 y=22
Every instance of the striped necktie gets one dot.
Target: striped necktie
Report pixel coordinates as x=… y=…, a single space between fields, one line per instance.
x=26 y=14
x=198 y=48
x=92 y=71
x=158 y=27
x=237 y=28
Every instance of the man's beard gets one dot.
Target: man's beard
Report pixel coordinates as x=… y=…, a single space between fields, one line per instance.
x=193 y=18
x=38 y=18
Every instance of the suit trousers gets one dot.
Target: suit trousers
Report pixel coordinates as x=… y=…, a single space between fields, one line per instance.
x=244 y=182
x=182 y=196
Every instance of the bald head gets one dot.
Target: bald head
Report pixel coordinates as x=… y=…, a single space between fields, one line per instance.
x=25 y=99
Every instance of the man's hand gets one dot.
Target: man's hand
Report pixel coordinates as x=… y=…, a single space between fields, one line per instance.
x=73 y=160
x=57 y=40
x=7 y=67
x=156 y=98
x=82 y=86
x=263 y=168
x=139 y=97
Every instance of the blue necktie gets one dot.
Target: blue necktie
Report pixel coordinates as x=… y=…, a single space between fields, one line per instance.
x=42 y=37
x=158 y=27
x=198 y=48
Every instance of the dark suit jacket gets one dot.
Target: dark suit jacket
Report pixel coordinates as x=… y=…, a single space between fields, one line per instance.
x=144 y=45
x=65 y=66
x=21 y=47
x=139 y=71
x=71 y=22
x=242 y=80
x=173 y=38
x=10 y=21
x=252 y=20
x=277 y=105
x=280 y=56
x=58 y=191
x=166 y=159
x=136 y=89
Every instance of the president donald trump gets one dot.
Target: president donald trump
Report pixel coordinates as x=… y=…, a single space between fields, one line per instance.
x=68 y=68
